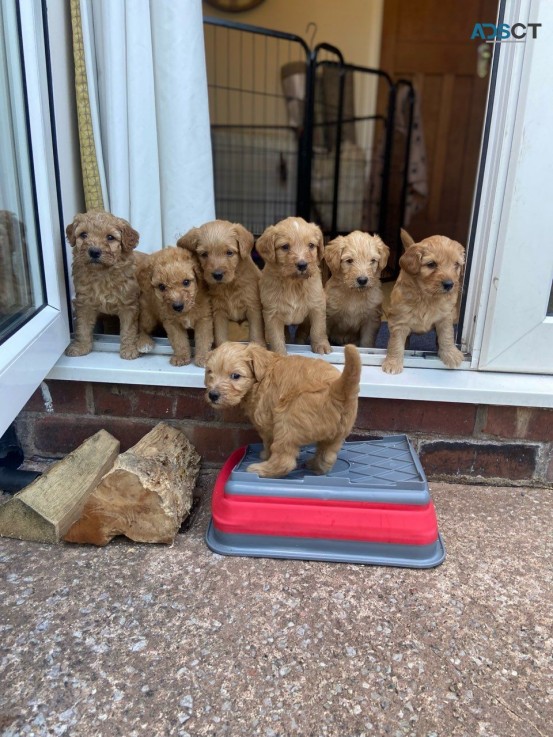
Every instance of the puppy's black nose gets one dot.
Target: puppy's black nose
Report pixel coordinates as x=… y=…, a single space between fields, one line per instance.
x=362 y=281
x=447 y=285
x=178 y=306
x=217 y=275
x=94 y=253
x=301 y=265
x=213 y=396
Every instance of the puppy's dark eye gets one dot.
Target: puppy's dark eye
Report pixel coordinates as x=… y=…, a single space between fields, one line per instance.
x=84 y=236
x=312 y=246
x=203 y=255
x=230 y=253
x=373 y=260
x=349 y=261
x=285 y=247
x=110 y=237
x=161 y=287
x=235 y=376
x=431 y=264
x=186 y=283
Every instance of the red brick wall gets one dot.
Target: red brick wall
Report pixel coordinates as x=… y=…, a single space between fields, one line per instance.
x=477 y=443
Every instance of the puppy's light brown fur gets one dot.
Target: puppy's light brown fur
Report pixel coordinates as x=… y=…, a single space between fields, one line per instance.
x=425 y=297
x=223 y=250
x=291 y=401
x=104 y=277
x=353 y=292
x=291 y=286
x=173 y=295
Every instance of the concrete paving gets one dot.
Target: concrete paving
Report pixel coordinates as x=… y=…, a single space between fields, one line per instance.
x=152 y=640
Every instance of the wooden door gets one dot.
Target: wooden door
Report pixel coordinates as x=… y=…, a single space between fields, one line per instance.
x=428 y=42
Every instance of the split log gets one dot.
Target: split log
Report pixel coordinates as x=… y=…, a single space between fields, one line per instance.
x=146 y=495
x=45 y=510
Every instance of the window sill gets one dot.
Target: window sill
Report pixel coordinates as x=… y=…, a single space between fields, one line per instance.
x=423 y=378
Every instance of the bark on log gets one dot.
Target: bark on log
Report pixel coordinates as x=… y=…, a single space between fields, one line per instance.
x=46 y=509
x=146 y=495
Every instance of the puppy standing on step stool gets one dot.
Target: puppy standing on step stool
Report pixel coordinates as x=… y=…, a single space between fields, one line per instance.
x=291 y=401
x=425 y=297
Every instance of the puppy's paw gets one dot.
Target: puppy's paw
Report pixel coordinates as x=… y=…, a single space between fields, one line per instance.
x=322 y=346
x=257 y=468
x=201 y=360
x=129 y=352
x=145 y=344
x=452 y=358
x=180 y=360
x=78 y=349
x=317 y=466
x=392 y=366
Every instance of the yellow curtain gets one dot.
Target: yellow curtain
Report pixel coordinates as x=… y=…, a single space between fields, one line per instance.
x=89 y=163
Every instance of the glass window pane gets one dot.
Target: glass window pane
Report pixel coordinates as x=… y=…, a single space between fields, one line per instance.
x=21 y=279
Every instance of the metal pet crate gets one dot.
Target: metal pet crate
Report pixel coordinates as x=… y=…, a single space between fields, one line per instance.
x=298 y=131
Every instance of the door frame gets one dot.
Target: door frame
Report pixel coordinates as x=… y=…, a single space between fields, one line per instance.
x=29 y=354
x=512 y=271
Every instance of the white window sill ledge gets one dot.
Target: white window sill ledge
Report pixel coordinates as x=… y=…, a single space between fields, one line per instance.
x=423 y=378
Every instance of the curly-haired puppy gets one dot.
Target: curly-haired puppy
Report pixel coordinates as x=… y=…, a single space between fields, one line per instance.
x=353 y=292
x=291 y=401
x=291 y=286
x=425 y=297
x=223 y=250
x=104 y=278
x=172 y=294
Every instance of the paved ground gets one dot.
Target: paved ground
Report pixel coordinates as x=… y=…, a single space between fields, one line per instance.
x=149 y=640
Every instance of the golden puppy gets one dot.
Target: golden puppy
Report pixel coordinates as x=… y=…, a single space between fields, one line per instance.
x=353 y=292
x=291 y=401
x=291 y=286
x=104 y=277
x=425 y=297
x=172 y=294
x=223 y=250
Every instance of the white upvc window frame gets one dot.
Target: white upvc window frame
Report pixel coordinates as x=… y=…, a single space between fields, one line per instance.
x=28 y=355
x=424 y=377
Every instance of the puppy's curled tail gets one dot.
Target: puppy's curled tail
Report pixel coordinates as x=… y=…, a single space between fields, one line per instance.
x=346 y=387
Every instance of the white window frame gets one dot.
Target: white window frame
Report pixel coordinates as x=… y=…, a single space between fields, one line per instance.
x=512 y=331
x=424 y=377
x=28 y=355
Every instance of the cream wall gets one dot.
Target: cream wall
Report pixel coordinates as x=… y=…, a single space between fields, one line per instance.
x=354 y=26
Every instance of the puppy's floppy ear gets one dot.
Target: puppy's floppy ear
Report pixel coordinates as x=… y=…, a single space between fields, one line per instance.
x=129 y=236
x=244 y=239
x=71 y=229
x=198 y=271
x=144 y=272
x=384 y=253
x=319 y=240
x=70 y=234
x=265 y=244
x=189 y=240
x=333 y=253
x=406 y=239
x=461 y=251
x=411 y=259
x=260 y=359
